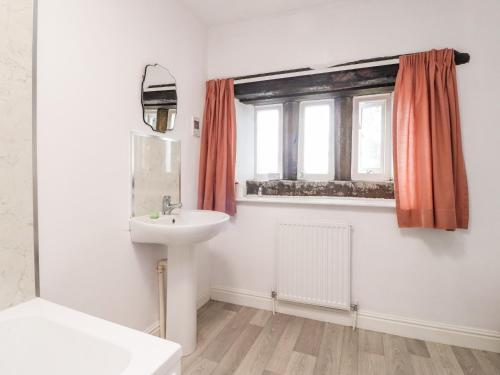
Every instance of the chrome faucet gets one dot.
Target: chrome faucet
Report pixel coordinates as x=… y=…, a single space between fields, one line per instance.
x=167 y=206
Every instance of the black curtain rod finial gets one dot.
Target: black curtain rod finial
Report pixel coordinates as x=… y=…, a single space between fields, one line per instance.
x=461 y=58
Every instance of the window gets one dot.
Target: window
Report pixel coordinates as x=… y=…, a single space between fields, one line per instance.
x=268 y=141
x=150 y=116
x=316 y=140
x=327 y=144
x=172 y=114
x=371 y=138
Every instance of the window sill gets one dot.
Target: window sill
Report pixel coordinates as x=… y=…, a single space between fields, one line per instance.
x=322 y=189
x=318 y=201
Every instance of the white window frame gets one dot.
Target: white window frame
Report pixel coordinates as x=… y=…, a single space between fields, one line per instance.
x=384 y=173
x=331 y=151
x=149 y=114
x=170 y=121
x=269 y=176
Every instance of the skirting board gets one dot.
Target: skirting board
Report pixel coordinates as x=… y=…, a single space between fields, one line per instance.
x=203 y=299
x=430 y=331
x=154 y=329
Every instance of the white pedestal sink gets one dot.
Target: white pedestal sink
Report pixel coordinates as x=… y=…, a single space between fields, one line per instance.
x=180 y=232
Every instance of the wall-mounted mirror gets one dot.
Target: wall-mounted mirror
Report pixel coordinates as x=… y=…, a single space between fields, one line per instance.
x=156 y=172
x=159 y=98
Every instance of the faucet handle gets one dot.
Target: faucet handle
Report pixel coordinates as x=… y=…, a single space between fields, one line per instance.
x=167 y=199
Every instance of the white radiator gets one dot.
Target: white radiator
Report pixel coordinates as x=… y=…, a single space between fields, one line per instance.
x=313 y=263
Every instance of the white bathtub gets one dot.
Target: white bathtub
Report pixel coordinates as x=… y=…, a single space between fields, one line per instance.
x=39 y=337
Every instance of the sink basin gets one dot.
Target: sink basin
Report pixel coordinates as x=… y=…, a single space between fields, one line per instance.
x=187 y=227
x=179 y=233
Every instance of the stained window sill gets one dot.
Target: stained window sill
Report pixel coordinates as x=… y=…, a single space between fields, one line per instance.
x=333 y=189
x=317 y=201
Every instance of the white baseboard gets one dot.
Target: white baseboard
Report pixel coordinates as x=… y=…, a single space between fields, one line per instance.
x=154 y=329
x=424 y=330
x=204 y=298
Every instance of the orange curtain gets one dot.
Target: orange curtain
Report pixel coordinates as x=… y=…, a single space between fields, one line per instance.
x=216 y=189
x=429 y=170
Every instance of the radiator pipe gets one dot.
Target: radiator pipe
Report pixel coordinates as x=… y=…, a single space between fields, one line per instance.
x=161 y=269
x=355 y=310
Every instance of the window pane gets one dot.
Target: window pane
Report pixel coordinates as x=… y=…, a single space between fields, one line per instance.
x=371 y=120
x=268 y=141
x=150 y=117
x=316 y=139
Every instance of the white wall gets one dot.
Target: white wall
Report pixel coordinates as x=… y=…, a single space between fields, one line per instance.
x=90 y=61
x=17 y=276
x=429 y=275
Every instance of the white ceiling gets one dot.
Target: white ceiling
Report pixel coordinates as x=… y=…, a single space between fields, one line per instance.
x=215 y=12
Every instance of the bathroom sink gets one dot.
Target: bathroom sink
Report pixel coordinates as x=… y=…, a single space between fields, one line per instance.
x=180 y=233
x=186 y=227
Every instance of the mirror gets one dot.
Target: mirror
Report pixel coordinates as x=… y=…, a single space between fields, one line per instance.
x=159 y=98
x=156 y=172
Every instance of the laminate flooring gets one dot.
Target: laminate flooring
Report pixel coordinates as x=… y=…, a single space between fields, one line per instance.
x=245 y=341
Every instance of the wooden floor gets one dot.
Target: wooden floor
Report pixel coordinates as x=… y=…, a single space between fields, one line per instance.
x=241 y=340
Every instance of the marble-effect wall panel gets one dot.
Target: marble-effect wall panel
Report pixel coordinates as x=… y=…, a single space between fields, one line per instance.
x=17 y=276
x=156 y=172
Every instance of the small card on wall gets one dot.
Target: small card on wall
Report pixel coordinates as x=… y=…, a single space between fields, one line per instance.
x=196 y=126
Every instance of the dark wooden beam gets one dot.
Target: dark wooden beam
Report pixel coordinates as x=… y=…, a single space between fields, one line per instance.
x=290 y=139
x=160 y=105
x=161 y=85
x=314 y=84
x=323 y=83
x=343 y=138
x=159 y=97
x=460 y=58
x=329 y=95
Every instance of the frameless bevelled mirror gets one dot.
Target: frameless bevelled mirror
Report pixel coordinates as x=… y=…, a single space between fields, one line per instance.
x=156 y=172
x=159 y=98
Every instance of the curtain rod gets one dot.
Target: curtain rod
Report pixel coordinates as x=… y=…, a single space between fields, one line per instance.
x=460 y=58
